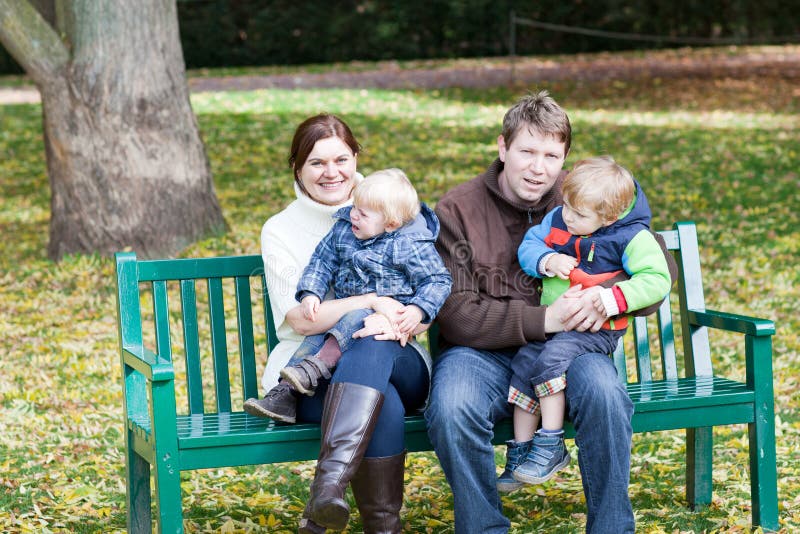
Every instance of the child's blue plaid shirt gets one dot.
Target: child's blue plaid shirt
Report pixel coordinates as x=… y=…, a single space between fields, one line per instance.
x=402 y=264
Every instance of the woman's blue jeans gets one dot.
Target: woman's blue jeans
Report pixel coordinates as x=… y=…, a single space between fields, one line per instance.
x=468 y=396
x=343 y=331
x=398 y=372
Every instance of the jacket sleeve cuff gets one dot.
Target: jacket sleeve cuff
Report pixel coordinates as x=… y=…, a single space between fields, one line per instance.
x=622 y=303
x=533 y=323
x=609 y=301
x=542 y=261
x=303 y=293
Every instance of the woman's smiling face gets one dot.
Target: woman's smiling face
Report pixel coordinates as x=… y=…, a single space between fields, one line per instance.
x=327 y=176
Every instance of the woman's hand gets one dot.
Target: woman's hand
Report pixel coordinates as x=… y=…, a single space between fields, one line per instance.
x=381 y=327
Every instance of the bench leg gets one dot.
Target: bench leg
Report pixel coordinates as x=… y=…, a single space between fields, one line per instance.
x=699 y=443
x=138 y=493
x=167 y=472
x=763 y=474
x=763 y=471
x=168 y=495
x=763 y=464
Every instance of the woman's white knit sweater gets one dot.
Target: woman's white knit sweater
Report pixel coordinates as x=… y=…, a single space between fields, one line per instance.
x=287 y=241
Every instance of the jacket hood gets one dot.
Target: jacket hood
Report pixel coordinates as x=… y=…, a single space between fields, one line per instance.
x=638 y=212
x=425 y=225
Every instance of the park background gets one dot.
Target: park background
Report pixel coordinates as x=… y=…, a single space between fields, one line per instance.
x=710 y=132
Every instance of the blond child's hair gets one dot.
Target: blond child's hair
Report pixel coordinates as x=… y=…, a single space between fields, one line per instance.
x=390 y=193
x=601 y=185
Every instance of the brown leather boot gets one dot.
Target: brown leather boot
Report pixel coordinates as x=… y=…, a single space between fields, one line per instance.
x=307 y=526
x=348 y=420
x=378 y=489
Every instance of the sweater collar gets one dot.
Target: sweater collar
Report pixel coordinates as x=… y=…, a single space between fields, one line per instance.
x=317 y=217
x=551 y=198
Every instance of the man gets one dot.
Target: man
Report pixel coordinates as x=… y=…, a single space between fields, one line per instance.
x=494 y=309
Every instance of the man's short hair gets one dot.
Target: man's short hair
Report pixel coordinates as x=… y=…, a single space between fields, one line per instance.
x=390 y=193
x=540 y=113
x=601 y=185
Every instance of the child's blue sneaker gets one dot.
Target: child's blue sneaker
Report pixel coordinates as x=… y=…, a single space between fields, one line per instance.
x=547 y=456
x=515 y=455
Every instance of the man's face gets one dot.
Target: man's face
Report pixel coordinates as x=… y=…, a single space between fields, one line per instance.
x=532 y=165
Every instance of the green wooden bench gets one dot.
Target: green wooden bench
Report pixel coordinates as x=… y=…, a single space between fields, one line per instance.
x=194 y=335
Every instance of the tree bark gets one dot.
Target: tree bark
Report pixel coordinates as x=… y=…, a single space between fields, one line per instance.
x=126 y=163
x=47 y=9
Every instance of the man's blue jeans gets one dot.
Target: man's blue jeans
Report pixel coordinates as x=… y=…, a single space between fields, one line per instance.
x=468 y=396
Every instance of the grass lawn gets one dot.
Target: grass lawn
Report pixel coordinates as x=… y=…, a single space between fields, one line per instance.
x=722 y=152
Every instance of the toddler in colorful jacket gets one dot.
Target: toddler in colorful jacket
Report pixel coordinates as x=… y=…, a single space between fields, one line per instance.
x=601 y=231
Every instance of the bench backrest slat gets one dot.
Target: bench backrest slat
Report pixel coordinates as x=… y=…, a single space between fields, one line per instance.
x=666 y=338
x=643 y=366
x=696 y=349
x=161 y=319
x=620 y=363
x=247 y=351
x=219 y=345
x=272 y=336
x=191 y=346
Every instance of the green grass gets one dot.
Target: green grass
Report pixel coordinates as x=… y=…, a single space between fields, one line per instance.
x=721 y=152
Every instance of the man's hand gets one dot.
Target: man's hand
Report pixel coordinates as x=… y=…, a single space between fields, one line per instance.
x=574 y=310
x=378 y=325
x=563 y=307
x=310 y=305
x=560 y=265
x=409 y=318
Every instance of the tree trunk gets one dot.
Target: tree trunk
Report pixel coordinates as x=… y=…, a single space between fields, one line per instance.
x=126 y=163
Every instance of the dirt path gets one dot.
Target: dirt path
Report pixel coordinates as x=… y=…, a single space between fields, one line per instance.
x=773 y=61
x=497 y=72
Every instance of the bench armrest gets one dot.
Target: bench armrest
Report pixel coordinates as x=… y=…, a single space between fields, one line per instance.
x=148 y=363
x=732 y=322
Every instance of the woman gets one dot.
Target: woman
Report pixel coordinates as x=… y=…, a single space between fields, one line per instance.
x=361 y=410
